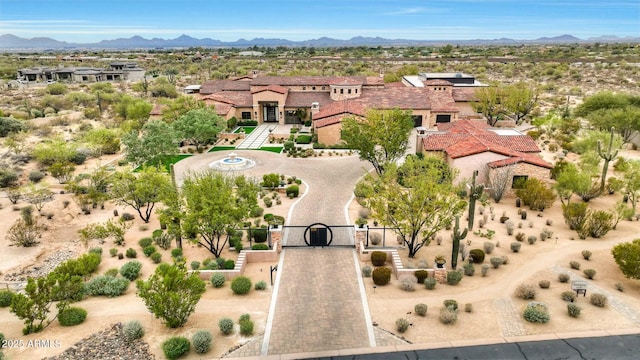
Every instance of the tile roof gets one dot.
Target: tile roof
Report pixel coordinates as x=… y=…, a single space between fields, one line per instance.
x=275 y=88
x=436 y=82
x=468 y=137
x=395 y=97
x=334 y=112
x=211 y=87
x=305 y=98
x=464 y=94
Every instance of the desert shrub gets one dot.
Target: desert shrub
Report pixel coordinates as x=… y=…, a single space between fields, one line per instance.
x=175 y=347
x=448 y=316
x=454 y=277
x=515 y=246
x=127 y=217
x=496 y=261
x=292 y=191
x=35 y=176
x=599 y=223
x=144 y=242
x=95 y=250
x=536 y=312
x=260 y=247
x=599 y=300
x=375 y=238
x=106 y=285
x=619 y=287
x=217 y=280
x=526 y=292
x=261 y=285
x=586 y=254
x=5 y=298
x=195 y=265
x=563 y=278
x=131 y=270
x=176 y=253
x=241 y=285
x=469 y=269
x=520 y=236
x=573 y=310
x=131 y=253
x=488 y=247
x=421 y=275
x=378 y=258
x=408 y=282
x=246 y=327
x=484 y=270
x=162 y=239
x=575 y=215
x=156 y=257
x=149 y=250
x=259 y=235
x=402 y=325
x=430 y=283
x=451 y=304
x=132 y=330
x=220 y=263
x=113 y=252
x=201 y=341
x=536 y=194
x=381 y=276
x=590 y=273
x=477 y=255
x=229 y=264
x=256 y=211
x=420 y=309
x=113 y=272
x=574 y=265
x=568 y=295
x=510 y=227
x=72 y=316
x=505 y=259
x=532 y=239
x=544 y=284
x=226 y=326
x=367 y=270
x=8 y=178
x=468 y=307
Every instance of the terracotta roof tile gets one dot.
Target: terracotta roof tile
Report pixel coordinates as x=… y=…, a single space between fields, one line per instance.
x=305 y=98
x=275 y=88
x=464 y=94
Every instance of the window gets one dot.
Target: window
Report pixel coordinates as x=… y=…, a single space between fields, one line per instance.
x=323 y=88
x=304 y=88
x=356 y=91
x=349 y=91
x=335 y=91
x=341 y=91
x=518 y=181
x=246 y=115
x=313 y=88
x=417 y=120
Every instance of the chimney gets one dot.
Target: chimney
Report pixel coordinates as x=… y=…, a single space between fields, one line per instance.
x=315 y=107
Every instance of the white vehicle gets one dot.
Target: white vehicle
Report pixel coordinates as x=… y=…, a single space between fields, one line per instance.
x=51 y=82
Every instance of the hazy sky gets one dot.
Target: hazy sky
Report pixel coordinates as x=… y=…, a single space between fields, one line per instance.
x=94 y=20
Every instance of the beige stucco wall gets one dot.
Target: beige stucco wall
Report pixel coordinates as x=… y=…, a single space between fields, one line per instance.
x=356 y=90
x=467 y=164
x=465 y=109
x=522 y=169
x=329 y=135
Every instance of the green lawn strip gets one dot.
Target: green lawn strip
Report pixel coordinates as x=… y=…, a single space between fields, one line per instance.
x=221 y=148
x=247 y=129
x=275 y=149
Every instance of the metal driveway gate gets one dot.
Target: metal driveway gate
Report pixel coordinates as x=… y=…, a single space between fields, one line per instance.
x=318 y=234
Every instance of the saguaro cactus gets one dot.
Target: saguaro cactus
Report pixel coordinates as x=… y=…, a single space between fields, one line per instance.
x=475 y=191
x=456 y=236
x=607 y=157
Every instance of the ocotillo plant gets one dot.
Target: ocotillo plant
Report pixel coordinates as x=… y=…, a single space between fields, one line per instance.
x=475 y=191
x=456 y=236
x=607 y=157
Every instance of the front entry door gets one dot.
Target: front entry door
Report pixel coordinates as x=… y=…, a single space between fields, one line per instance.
x=270 y=113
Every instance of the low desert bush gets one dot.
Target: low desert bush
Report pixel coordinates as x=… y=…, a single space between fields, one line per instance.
x=586 y=254
x=430 y=283
x=590 y=273
x=468 y=307
x=381 y=276
x=105 y=285
x=574 y=265
x=532 y=239
x=599 y=300
x=175 y=347
x=201 y=341
x=217 y=280
x=520 y=237
x=536 y=312
x=132 y=330
x=568 y=295
x=378 y=258
x=241 y=285
x=5 y=297
x=484 y=270
x=131 y=253
x=526 y=291
x=375 y=238
x=451 y=304
x=421 y=275
x=515 y=246
x=156 y=257
x=619 y=287
x=408 y=282
x=477 y=255
x=260 y=285
x=488 y=247
x=150 y=250
x=448 y=316
x=505 y=259
x=563 y=278
x=496 y=261
x=420 y=309
x=72 y=316
x=454 y=277
x=544 y=284
x=366 y=271
x=246 y=325
x=226 y=326
x=144 y=242
x=469 y=269
x=573 y=310
x=402 y=325
x=131 y=270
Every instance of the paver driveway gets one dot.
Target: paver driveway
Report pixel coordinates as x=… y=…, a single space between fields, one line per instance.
x=318 y=303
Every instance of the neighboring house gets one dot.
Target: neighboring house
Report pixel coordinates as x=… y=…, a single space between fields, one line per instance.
x=117 y=71
x=326 y=100
x=470 y=145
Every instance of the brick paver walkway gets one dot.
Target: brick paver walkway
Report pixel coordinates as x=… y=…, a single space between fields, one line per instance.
x=318 y=306
x=510 y=320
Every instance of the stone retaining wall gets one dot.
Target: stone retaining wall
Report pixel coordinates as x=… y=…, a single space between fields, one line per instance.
x=245 y=257
x=393 y=258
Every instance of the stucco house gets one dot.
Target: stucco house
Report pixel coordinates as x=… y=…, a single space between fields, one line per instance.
x=116 y=71
x=470 y=145
x=326 y=100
